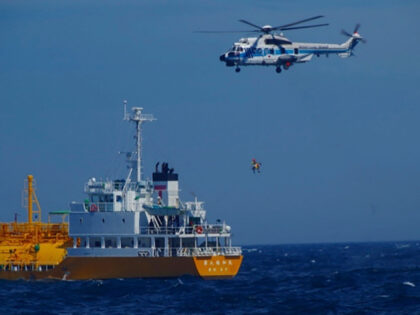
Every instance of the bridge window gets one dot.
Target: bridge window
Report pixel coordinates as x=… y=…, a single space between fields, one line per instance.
x=127 y=242
x=145 y=242
x=82 y=242
x=110 y=242
x=271 y=51
x=296 y=51
x=160 y=242
x=94 y=242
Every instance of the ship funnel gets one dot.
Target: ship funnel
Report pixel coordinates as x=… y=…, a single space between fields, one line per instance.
x=166 y=181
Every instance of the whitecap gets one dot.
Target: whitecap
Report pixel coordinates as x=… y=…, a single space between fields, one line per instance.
x=410 y=284
x=250 y=250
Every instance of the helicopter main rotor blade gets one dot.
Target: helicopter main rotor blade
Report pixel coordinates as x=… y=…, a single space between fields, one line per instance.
x=221 y=32
x=298 y=22
x=299 y=27
x=254 y=25
x=356 y=28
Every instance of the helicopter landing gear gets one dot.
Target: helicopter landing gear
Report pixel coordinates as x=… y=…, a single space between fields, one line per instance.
x=238 y=69
x=278 y=69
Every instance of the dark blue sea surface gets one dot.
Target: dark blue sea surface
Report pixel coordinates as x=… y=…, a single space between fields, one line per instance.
x=354 y=278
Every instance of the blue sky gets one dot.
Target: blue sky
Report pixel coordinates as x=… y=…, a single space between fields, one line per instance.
x=338 y=138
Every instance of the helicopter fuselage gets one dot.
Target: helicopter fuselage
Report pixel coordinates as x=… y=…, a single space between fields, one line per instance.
x=275 y=50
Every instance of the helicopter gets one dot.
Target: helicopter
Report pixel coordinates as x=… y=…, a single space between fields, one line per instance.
x=270 y=48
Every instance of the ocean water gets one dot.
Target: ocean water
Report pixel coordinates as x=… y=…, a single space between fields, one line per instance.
x=354 y=278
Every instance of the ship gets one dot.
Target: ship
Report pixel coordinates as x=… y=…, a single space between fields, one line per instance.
x=125 y=228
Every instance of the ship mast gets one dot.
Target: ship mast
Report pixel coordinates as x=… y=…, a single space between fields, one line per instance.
x=30 y=190
x=138 y=118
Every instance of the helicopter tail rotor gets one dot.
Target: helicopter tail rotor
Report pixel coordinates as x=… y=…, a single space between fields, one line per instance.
x=355 y=34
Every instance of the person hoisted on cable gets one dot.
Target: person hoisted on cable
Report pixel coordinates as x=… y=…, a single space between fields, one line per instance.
x=256 y=166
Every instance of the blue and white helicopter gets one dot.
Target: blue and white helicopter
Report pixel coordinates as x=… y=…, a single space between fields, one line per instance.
x=273 y=49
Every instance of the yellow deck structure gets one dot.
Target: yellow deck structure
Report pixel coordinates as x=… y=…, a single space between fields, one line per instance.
x=33 y=245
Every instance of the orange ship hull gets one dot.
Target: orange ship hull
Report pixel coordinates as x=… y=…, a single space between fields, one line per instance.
x=84 y=268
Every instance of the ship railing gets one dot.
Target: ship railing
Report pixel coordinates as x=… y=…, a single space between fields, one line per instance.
x=110 y=186
x=99 y=206
x=168 y=230
x=182 y=230
x=13 y=230
x=214 y=228
x=159 y=230
x=99 y=187
x=188 y=251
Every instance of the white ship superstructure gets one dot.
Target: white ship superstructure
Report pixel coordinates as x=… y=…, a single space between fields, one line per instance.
x=133 y=217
